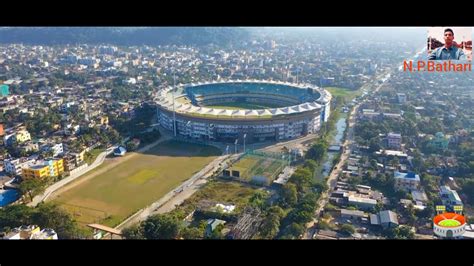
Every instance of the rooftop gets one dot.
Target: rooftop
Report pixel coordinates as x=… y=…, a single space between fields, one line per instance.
x=361 y=200
x=409 y=176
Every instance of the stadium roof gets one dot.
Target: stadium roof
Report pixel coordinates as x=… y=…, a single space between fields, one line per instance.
x=165 y=100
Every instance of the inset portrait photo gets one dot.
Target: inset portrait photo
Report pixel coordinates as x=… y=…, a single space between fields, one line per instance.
x=450 y=43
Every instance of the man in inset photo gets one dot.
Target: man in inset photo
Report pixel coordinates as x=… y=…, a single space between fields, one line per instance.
x=450 y=50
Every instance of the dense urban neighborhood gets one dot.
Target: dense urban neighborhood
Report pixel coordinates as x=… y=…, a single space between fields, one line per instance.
x=85 y=152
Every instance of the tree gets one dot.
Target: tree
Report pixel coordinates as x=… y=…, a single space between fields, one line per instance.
x=311 y=165
x=404 y=232
x=46 y=215
x=161 y=226
x=347 y=229
x=409 y=213
x=192 y=233
x=401 y=232
x=302 y=178
x=289 y=194
x=374 y=145
x=50 y=215
x=133 y=232
x=277 y=210
x=131 y=146
x=320 y=185
x=468 y=189
x=33 y=187
x=353 y=181
x=15 y=215
x=258 y=199
x=270 y=226
x=317 y=151
x=427 y=212
x=114 y=135
x=373 y=164
x=323 y=225
x=293 y=230
x=300 y=216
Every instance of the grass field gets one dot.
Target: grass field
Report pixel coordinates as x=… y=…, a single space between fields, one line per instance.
x=244 y=105
x=111 y=197
x=221 y=192
x=252 y=165
x=449 y=223
x=346 y=93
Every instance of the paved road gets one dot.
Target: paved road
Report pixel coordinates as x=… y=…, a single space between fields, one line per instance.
x=332 y=179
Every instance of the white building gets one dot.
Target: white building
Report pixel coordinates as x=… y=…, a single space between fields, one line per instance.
x=130 y=81
x=57 y=148
x=406 y=181
x=14 y=166
x=31 y=232
x=449 y=197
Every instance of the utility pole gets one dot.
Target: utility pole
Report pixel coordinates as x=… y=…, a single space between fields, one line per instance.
x=236 y=141
x=245 y=136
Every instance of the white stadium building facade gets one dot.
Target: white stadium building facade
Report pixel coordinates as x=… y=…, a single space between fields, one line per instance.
x=299 y=109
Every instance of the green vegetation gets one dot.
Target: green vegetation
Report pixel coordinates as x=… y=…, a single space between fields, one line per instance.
x=45 y=216
x=401 y=232
x=140 y=122
x=202 y=36
x=256 y=165
x=112 y=196
x=347 y=94
x=468 y=189
x=171 y=225
x=449 y=223
x=347 y=229
x=90 y=156
x=33 y=187
x=222 y=192
x=300 y=195
x=162 y=226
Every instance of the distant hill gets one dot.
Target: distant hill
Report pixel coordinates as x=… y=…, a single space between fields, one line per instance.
x=124 y=35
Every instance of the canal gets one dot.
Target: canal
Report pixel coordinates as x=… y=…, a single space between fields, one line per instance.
x=335 y=140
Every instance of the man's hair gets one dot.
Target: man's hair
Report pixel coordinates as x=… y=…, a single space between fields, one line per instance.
x=449 y=30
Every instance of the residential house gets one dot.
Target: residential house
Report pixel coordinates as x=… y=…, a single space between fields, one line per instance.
x=394 y=140
x=386 y=219
x=449 y=197
x=362 y=203
x=31 y=232
x=14 y=166
x=406 y=181
x=43 y=168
